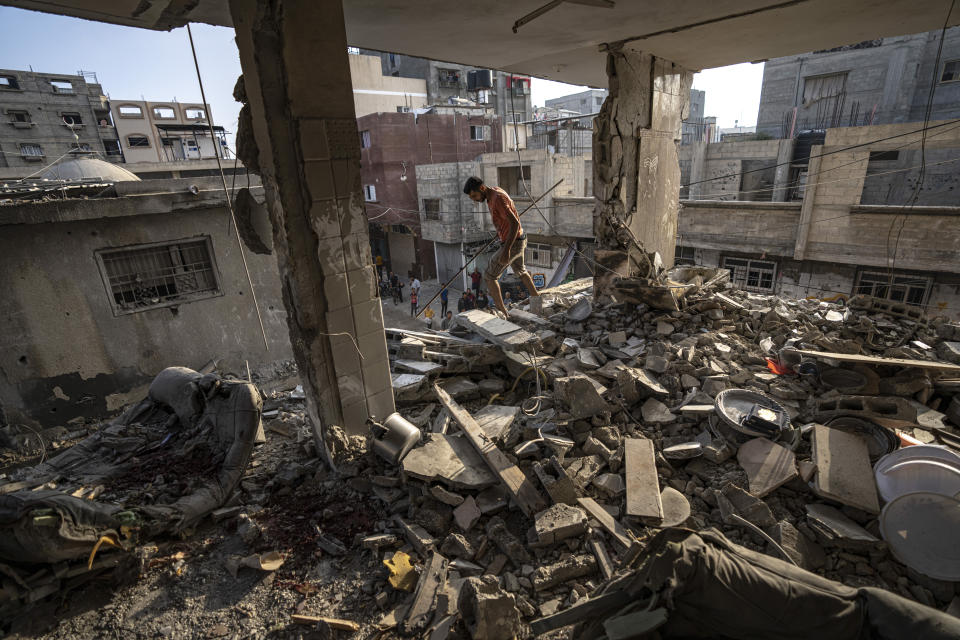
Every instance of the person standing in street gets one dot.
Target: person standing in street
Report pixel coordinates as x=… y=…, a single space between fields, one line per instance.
x=413 y=303
x=444 y=299
x=447 y=321
x=415 y=285
x=514 y=243
x=475 y=279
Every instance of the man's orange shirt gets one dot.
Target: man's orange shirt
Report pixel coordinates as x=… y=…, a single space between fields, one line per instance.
x=502 y=211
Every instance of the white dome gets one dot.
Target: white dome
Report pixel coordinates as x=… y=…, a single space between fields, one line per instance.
x=85 y=168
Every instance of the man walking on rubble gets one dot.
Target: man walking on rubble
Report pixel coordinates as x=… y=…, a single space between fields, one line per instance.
x=507 y=221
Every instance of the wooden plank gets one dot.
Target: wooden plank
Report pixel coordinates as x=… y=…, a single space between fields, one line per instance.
x=431 y=582
x=768 y=465
x=607 y=521
x=333 y=623
x=520 y=488
x=643 y=485
x=603 y=558
x=898 y=362
x=844 y=473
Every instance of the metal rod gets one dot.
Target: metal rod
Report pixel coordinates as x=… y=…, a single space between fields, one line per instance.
x=482 y=249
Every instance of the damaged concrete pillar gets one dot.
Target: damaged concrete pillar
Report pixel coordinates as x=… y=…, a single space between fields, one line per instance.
x=636 y=173
x=297 y=84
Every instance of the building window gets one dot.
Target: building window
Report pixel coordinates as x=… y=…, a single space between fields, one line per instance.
x=751 y=275
x=400 y=228
x=130 y=111
x=431 y=209
x=149 y=276
x=9 y=82
x=364 y=139
x=448 y=77
x=194 y=113
x=369 y=192
x=353 y=51
x=479 y=132
x=164 y=113
x=899 y=287
x=826 y=87
x=684 y=255
x=80 y=146
x=519 y=86
x=599 y=100
x=138 y=141
x=61 y=86
x=31 y=151
x=393 y=59
x=508 y=179
x=72 y=119
x=19 y=117
x=539 y=255
x=951 y=71
x=111 y=147
x=403 y=109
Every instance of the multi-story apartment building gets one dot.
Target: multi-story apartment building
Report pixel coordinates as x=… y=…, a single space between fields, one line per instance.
x=47 y=115
x=167 y=131
x=882 y=81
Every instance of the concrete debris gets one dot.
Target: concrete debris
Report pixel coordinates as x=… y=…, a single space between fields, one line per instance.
x=548 y=451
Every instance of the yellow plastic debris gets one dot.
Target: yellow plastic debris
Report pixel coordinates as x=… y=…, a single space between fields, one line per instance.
x=402 y=574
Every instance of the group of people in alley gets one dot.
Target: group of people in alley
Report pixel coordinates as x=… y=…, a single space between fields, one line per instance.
x=513 y=244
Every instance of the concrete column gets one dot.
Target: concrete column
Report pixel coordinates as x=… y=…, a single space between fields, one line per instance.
x=636 y=174
x=698 y=168
x=781 y=176
x=305 y=128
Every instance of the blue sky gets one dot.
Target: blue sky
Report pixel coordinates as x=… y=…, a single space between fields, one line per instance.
x=157 y=65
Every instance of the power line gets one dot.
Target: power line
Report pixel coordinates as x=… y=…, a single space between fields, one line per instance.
x=825 y=154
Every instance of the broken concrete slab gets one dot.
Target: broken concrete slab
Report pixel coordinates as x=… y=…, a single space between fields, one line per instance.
x=521 y=489
x=460 y=388
x=506 y=335
x=636 y=384
x=835 y=527
x=642 y=480
x=731 y=499
x=843 y=472
x=654 y=411
x=506 y=542
x=581 y=395
x=768 y=465
x=803 y=552
x=584 y=470
x=467 y=514
x=431 y=582
x=450 y=459
x=610 y=484
x=559 y=486
x=559 y=522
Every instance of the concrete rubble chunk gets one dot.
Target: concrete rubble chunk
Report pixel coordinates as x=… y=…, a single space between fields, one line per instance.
x=610 y=484
x=768 y=465
x=449 y=459
x=580 y=395
x=656 y=412
x=636 y=384
x=457 y=546
x=508 y=543
x=802 y=551
x=446 y=497
x=467 y=514
x=733 y=500
x=559 y=522
x=580 y=311
x=563 y=571
x=560 y=487
x=657 y=364
x=489 y=612
x=843 y=471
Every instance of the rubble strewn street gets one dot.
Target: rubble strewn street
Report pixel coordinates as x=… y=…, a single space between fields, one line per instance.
x=535 y=466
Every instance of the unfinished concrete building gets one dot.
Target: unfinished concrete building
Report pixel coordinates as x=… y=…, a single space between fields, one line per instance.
x=884 y=80
x=167 y=131
x=47 y=115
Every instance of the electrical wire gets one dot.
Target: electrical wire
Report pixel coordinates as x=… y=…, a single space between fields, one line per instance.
x=226 y=193
x=908 y=208
x=825 y=154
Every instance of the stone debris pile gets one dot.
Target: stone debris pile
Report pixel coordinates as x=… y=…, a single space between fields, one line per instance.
x=556 y=445
x=568 y=465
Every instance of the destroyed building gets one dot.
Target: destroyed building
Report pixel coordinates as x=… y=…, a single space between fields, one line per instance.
x=627 y=455
x=114 y=287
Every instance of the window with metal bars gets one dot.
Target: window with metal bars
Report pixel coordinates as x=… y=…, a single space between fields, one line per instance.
x=431 y=208
x=157 y=275
x=751 y=275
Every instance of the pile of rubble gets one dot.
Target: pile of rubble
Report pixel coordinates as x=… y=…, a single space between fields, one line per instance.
x=624 y=467
x=554 y=447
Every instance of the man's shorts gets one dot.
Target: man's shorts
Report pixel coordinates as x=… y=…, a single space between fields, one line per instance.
x=513 y=258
